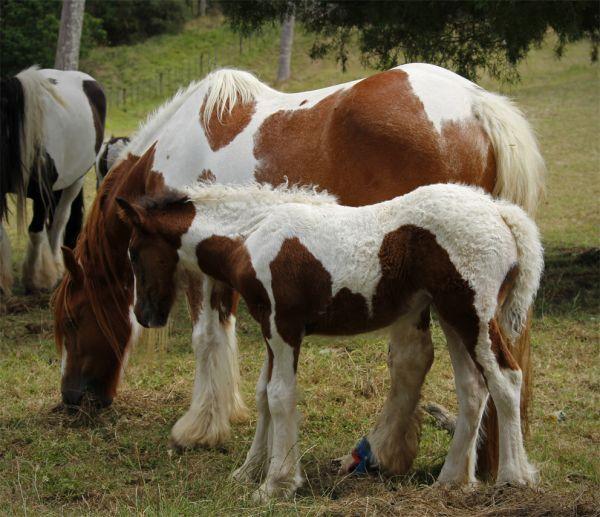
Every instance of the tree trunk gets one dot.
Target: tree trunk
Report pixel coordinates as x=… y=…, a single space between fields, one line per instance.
x=69 y=36
x=285 y=48
x=202 y=4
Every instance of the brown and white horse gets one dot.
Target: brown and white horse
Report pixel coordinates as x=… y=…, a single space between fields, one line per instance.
x=364 y=141
x=306 y=265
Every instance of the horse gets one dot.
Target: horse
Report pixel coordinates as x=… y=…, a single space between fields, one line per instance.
x=365 y=141
x=108 y=155
x=52 y=127
x=306 y=265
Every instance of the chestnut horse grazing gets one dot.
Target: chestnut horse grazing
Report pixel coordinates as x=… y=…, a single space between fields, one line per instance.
x=306 y=265
x=364 y=141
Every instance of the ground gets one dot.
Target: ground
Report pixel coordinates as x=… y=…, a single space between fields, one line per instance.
x=120 y=461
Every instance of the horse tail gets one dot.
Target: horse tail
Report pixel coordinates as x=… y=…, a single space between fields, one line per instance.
x=514 y=319
x=520 y=168
x=514 y=310
x=23 y=104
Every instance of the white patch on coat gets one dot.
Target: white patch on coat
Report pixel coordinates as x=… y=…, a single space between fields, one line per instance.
x=68 y=126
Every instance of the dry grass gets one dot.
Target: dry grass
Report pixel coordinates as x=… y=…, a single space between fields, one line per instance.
x=118 y=461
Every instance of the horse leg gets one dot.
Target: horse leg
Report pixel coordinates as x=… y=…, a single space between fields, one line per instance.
x=256 y=459
x=395 y=438
x=459 y=467
x=39 y=269
x=6 y=276
x=75 y=222
x=283 y=475
x=504 y=378
x=60 y=218
x=216 y=399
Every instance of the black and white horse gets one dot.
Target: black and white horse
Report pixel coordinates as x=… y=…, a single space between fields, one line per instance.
x=109 y=152
x=52 y=127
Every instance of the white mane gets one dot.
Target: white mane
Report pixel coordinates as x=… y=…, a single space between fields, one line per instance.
x=224 y=89
x=228 y=86
x=257 y=193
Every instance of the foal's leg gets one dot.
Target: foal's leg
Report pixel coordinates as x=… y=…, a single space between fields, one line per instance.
x=504 y=379
x=60 y=218
x=258 y=455
x=395 y=439
x=216 y=399
x=39 y=269
x=6 y=276
x=283 y=475
x=459 y=467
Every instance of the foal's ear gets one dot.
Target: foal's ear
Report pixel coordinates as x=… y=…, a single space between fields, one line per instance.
x=72 y=266
x=131 y=213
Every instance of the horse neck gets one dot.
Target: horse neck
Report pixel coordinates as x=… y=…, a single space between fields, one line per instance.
x=106 y=237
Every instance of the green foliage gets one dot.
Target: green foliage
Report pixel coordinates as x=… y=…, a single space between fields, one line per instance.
x=30 y=32
x=467 y=36
x=30 y=27
x=135 y=20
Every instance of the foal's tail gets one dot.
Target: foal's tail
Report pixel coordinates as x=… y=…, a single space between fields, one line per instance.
x=520 y=168
x=514 y=311
x=514 y=319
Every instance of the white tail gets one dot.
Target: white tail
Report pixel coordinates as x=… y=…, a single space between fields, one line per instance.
x=513 y=314
x=519 y=163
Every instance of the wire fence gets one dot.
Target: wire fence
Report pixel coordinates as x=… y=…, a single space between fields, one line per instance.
x=168 y=80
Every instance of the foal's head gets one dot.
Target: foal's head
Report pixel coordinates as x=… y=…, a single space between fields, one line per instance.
x=157 y=226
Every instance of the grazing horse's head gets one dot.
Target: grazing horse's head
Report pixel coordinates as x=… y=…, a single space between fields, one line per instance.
x=90 y=364
x=157 y=226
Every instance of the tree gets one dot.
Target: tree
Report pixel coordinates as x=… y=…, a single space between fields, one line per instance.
x=285 y=48
x=466 y=36
x=69 y=36
x=29 y=32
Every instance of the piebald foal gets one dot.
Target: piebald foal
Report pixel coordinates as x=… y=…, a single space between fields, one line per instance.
x=306 y=265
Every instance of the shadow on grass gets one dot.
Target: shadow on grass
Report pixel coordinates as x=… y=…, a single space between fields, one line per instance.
x=571 y=282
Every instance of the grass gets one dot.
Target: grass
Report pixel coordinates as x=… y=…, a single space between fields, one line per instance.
x=119 y=462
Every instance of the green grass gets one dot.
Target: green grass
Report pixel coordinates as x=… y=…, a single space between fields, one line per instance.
x=120 y=462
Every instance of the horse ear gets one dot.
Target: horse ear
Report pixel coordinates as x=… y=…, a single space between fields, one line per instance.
x=72 y=266
x=131 y=213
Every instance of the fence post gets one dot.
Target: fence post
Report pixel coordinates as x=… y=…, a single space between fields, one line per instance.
x=124 y=96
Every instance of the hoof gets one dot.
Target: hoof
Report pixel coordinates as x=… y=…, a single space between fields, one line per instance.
x=266 y=492
x=192 y=431
x=343 y=465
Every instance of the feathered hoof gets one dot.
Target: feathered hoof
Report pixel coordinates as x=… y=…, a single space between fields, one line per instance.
x=193 y=430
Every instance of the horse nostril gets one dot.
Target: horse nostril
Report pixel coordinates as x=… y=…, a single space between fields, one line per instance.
x=72 y=397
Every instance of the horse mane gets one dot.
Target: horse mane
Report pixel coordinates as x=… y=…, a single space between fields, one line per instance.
x=93 y=251
x=258 y=193
x=227 y=87
x=223 y=90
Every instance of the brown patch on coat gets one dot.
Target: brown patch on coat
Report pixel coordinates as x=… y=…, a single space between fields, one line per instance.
x=194 y=286
x=207 y=176
x=224 y=299
x=228 y=261
x=95 y=95
x=499 y=347
x=369 y=143
x=411 y=261
x=221 y=133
